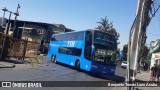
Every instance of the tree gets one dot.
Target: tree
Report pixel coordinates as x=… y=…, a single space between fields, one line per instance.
x=106 y=26
x=125 y=50
x=144 y=52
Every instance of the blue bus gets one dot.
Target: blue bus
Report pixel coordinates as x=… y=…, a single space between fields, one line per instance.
x=91 y=50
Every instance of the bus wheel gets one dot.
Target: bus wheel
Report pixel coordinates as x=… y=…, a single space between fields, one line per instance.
x=54 y=59
x=78 y=66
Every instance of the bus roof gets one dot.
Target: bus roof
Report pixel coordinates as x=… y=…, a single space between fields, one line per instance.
x=82 y=31
x=68 y=32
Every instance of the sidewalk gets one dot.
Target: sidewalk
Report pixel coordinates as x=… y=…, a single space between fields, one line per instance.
x=143 y=76
x=19 y=64
x=6 y=65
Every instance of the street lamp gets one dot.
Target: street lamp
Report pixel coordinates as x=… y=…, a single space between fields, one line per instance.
x=4 y=9
x=7 y=28
x=15 y=13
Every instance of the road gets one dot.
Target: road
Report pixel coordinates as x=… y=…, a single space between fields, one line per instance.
x=50 y=72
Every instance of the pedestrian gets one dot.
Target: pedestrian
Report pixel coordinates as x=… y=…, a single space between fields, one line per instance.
x=146 y=66
x=153 y=72
x=149 y=66
x=158 y=72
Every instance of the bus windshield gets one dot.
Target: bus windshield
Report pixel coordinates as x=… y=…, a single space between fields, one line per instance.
x=105 y=52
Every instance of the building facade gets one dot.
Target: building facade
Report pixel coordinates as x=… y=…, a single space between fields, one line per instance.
x=155 y=52
x=32 y=31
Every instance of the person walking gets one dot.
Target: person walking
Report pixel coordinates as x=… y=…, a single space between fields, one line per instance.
x=153 y=72
x=158 y=72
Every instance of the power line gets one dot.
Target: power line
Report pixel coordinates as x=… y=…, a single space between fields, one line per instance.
x=154 y=10
x=153 y=34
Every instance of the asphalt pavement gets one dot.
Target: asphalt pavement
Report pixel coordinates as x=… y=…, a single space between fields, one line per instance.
x=53 y=72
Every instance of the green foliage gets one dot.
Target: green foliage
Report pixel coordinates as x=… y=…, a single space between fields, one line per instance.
x=144 y=52
x=125 y=50
x=106 y=26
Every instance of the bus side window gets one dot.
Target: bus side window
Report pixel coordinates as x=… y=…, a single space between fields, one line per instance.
x=63 y=37
x=88 y=36
x=80 y=36
x=76 y=36
x=69 y=37
x=70 y=51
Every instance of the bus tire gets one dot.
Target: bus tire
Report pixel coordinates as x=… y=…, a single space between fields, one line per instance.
x=54 y=59
x=77 y=65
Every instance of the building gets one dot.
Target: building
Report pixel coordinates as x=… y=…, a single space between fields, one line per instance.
x=32 y=31
x=155 y=52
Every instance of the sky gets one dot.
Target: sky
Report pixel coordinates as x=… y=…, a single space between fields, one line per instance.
x=83 y=14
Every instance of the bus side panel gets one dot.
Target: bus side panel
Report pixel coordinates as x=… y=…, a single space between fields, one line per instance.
x=63 y=58
x=49 y=52
x=85 y=64
x=67 y=58
x=53 y=48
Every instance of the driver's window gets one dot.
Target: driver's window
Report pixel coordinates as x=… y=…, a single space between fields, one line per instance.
x=88 y=36
x=88 y=44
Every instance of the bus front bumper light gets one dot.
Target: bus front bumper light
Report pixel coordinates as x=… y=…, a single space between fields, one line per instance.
x=112 y=70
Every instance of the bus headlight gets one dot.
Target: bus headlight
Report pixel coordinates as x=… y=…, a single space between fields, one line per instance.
x=94 y=66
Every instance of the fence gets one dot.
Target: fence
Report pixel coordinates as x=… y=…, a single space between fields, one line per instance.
x=14 y=48
x=18 y=48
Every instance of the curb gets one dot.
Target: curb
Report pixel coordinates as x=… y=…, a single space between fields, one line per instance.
x=6 y=65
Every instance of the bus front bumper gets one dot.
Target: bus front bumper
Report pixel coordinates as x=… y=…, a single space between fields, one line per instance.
x=103 y=69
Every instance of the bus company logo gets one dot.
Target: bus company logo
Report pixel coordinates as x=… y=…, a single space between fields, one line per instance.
x=71 y=43
x=6 y=84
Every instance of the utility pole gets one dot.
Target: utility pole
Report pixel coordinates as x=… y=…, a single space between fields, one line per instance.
x=8 y=24
x=15 y=20
x=4 y=10
x=7 y=28
x=5 y=36
x=137 y=38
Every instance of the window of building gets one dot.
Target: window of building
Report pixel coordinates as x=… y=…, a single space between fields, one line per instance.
x=40 y=31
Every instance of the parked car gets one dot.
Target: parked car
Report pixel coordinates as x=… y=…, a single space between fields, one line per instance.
x=124 y=64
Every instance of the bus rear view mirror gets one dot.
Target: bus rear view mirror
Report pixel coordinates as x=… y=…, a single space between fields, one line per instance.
x=118 y=63
x=92 y=50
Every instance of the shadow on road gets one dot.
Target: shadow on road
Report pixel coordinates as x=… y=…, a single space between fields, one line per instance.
x=15 y=61
x=116 y=78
